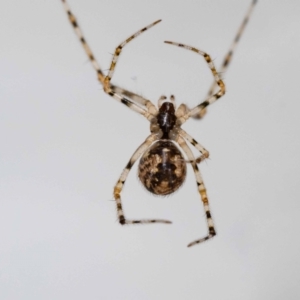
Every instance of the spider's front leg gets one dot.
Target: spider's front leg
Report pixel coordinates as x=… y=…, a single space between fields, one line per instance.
x=135 y=102
x=184 y=109
x=119 y=186
x=119 y=49
x=228 y=57
x=196 y=111
x=119 y=93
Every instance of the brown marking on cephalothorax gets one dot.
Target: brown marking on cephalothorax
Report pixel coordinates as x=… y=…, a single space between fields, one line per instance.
x=162 y=168
x=166 y=118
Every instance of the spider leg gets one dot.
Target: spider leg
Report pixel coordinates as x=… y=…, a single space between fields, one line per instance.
x=116 y=90
x=120 y=48
x=86 y=47
x=184 y=109
x=149 y=113
x=202 y=192
x=135 y=97
x=228 y=57
x=120 y=93
x=119 y=186
x=181 y=111
x=200 y=110
x=196 y=110
x=112 y=90
x=200 y=148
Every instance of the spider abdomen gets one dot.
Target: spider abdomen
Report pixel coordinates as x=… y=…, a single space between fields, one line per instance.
x=162 y=168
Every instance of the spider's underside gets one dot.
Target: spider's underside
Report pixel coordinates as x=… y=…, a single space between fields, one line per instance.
x=162 y=167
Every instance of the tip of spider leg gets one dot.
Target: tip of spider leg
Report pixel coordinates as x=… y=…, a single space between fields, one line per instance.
x=162 y=221
x=157 y=21
x=192 y=244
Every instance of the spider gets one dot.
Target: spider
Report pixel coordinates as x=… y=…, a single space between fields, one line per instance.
x=162 y=166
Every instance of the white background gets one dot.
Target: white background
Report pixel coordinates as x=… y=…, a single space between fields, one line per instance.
x=64 y=143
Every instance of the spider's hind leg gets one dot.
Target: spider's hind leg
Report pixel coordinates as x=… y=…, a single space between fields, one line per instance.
x=202 y=192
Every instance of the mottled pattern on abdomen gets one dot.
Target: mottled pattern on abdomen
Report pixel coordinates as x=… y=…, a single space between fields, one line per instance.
x=162 y=168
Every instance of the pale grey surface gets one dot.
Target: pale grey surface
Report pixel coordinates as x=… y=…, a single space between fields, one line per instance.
x=64 y=144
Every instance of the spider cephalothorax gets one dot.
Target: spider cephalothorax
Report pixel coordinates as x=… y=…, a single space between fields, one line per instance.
x=162 y=167
x=166 y=119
